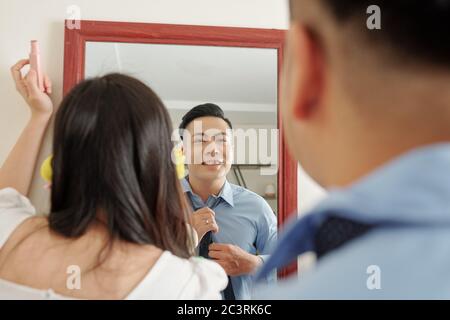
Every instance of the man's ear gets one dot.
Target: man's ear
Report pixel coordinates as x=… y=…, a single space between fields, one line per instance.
x=306 y=71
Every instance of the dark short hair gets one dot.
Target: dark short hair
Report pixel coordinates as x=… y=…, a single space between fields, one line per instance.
x=414 y=28
x=203 y=110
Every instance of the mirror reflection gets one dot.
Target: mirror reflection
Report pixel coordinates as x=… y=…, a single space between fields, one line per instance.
x=223 y=105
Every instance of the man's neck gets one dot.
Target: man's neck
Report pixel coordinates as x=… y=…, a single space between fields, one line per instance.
x=357 y=164
x=205 y=188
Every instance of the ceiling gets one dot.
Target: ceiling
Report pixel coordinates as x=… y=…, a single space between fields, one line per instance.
x=243 y=81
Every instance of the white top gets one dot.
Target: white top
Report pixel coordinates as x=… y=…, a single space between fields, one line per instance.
x=170 y=277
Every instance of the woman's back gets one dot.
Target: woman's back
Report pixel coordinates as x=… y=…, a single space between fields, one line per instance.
x=34 y=257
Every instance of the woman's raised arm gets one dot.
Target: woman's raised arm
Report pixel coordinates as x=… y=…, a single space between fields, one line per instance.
x=17 y=170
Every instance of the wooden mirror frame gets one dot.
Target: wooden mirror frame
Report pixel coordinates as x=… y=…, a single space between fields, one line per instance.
x=76 y=36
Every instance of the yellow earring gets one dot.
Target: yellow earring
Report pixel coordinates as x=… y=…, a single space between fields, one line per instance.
x=47 y=172
x=46 y=169
x=179 y=162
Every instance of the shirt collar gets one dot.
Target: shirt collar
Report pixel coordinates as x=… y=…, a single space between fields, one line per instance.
x=411 y=190
x=226 y=193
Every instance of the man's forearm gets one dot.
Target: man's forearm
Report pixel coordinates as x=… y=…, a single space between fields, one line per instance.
x=17 y=170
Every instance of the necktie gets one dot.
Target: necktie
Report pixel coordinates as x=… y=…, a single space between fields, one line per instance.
x=203 y=249
x=335 y=232
x=319 y=233
x=204 y=245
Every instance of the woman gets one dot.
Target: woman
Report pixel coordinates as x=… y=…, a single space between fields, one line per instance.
x=117 y=227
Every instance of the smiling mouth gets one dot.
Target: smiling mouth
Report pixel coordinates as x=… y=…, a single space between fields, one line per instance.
x=212 y=162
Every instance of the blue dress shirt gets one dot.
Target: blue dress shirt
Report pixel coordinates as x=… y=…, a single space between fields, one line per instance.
x=245 y=220
x=407 y=203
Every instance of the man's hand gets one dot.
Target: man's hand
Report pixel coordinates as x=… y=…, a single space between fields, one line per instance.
x=203 y=220
x=233 y=259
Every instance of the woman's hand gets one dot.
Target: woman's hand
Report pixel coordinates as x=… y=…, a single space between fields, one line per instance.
x=17 y=171
x=39 y=102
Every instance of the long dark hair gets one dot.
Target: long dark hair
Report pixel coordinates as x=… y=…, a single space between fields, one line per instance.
x=112 y=159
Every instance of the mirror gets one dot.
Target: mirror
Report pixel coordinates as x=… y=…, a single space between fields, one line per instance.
x=234 y=68
x=242 y=81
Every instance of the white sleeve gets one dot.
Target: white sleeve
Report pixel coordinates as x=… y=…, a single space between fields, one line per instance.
x=14 y=209
x=207 y=281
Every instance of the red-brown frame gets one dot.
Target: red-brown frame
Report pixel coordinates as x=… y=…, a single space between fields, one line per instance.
x=105 y=31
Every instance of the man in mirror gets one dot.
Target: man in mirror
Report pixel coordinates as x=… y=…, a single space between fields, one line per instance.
x=236 y=227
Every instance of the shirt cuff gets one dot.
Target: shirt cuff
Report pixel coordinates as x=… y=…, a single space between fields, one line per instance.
x=272 y=276
x=264 y=257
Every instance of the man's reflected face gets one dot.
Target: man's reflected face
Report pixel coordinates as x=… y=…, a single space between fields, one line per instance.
x=207 y=145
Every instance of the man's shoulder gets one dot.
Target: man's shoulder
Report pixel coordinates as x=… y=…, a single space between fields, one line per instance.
x=244 y=193
x=384 y=264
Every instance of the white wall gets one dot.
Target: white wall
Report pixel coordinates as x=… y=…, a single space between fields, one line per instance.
x=309 y=192
x=23 y=20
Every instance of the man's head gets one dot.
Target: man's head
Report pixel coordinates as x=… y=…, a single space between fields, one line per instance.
x=207 y=142
x=354 y=98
